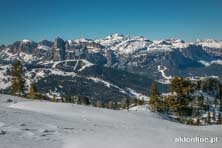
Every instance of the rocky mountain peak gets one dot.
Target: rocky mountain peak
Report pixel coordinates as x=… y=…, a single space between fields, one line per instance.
x=59 y=49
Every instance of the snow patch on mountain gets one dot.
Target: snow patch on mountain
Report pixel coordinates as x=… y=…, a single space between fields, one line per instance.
x=28 y=58
x=26 y=41
x=4 y=77
x=46 y=48
x=140 y=108
x=138 y=95
x=86 y=64
x=107 y=84
x=166 y=79
x=219 y=62
x=129 y=91
x=83 y=40
x=36 y=74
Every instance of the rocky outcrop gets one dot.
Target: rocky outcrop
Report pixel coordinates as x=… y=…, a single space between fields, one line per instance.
x=25 y=46
x=59 y=50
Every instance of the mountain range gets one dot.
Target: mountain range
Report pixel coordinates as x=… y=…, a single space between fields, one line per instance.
x=112 y=68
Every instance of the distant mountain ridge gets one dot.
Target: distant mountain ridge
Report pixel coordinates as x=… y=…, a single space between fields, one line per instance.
x=90 y=60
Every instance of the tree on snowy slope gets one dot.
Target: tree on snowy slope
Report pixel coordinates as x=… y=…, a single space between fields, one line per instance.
x=99 y=104
x=219 y=121
x=32 y=91
x=208 y=118
x=183 y=88
x=154 y=102
x=18 y=81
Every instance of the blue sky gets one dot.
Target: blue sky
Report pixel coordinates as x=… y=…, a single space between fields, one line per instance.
x=71 y=19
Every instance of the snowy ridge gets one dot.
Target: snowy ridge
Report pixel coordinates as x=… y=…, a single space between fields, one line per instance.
x=112 y=39
x=124 y=45
x=83 y=40
x=210 y=43
x=129 y=45
x=26 y=41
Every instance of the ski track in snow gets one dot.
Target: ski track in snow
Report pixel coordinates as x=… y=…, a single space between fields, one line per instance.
x=166 y=79
x=44 y=124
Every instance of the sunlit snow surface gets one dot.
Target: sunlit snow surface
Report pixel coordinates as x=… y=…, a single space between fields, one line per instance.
x=39 y=124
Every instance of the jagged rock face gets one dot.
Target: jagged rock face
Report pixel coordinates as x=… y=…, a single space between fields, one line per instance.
x=217 y=52
x=23 y=46
x=196 y=52
x=43 y=54
x=59 y=49
x=111 y=58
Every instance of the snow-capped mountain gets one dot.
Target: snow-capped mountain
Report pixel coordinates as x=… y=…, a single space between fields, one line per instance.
x=119 y=63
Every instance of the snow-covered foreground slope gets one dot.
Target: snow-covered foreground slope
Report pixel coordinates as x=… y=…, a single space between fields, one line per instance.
x=43 y=124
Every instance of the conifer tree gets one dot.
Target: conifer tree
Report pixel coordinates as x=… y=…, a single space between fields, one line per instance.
x=84 y=100
x=208 y=118
x=18 y=81
x=220 y=104
x=32 y=91
x=99 y=104
x=214 y=114
x=198 y=121
x=127 y=104
x=219 y=121
x=154 y=97
x=200 y=101
x=110 y=104
x=207 y=104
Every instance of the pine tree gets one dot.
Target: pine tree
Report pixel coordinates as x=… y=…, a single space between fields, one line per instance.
x=214 y=114
x=198 y=121
x=154 y=97
x=32 y=91
x=221 y=103
x=99 y=104
x=219 y=121
x=18 y=81
x=207 y=104
x=134 y=102
x=200 y=101
x=84 y=100
x=208 y=118
x=182 y=87
x=127 y=104
x=110 y=104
